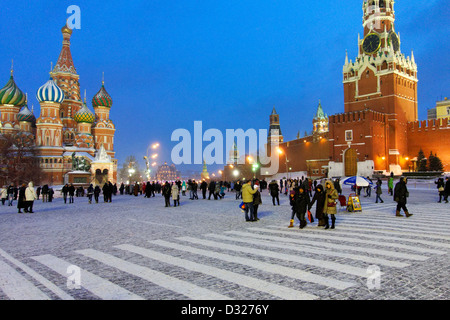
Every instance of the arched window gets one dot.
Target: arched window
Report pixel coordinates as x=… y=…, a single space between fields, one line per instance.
x=382 y=4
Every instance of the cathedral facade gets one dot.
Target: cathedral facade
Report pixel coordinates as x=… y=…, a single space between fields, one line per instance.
x=75 y=145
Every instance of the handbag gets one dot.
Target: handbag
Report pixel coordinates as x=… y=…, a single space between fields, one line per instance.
x=310 y=218
x=242 y=206
x=332 y=204
x=441 y=189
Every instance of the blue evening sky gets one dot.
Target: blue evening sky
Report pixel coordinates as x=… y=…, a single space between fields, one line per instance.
x=226 y=63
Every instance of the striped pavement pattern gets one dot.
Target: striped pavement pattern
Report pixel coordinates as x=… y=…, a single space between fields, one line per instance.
x=307 y=261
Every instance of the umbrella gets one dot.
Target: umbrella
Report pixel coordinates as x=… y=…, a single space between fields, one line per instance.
x=359 y=181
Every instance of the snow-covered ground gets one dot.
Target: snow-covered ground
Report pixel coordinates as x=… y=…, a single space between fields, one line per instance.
x=136 y=248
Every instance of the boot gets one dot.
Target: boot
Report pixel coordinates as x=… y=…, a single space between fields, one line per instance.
x=327 y=226
x=397 y=214
x=291 y=225
x=302 y=224
x=408 y=214
x=333 y=220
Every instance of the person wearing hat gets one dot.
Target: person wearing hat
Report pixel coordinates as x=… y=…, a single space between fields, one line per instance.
x=400 y=196
x=274 y=192
x=247 y=198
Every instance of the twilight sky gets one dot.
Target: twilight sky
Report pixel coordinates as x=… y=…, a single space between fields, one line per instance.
x=225 y=63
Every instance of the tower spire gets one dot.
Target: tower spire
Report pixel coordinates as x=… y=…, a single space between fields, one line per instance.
x=12 y=67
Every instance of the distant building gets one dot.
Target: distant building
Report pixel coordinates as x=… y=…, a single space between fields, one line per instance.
x=167 y=173
x=441 y=111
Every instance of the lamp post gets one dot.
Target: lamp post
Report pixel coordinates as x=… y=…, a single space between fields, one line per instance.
x=280 y=152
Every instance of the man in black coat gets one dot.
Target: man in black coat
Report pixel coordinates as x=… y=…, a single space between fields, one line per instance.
x=301 y=203
x=274 y=192
x=212 y=188
x=400 y=196
x=446 y=189
x=204 y=187
x=167 y=191
x=71 y=193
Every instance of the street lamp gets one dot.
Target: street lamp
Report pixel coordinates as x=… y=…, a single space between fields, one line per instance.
x=280 y=152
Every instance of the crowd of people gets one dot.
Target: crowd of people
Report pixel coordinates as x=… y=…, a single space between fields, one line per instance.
x=299 y=191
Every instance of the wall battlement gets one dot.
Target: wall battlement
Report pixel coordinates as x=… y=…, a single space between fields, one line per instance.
x=353 y=116
x=427 y=125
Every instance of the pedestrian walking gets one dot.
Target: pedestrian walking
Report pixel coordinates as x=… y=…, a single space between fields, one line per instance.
x=274 y=192
x=320 y=199
x=257 y=200
x=4 y=194
x=446 y=189
x=301 y=202
x=204 y=187
x=175 y=195
x=378 y=191
x=247 y=198
x=51 y=192
x=21 y=201
x=10 y=193
x=90 y=192
x=211 y=189
x=45 y=193
x=38 y=192
x=64 y=191
x=391 y=184
x=97 y=191
x=166 y=192
x=331 y=196
x=237 y=189
x=400 y=196
x=71 y=193
x=440 y=184
x=30 y=197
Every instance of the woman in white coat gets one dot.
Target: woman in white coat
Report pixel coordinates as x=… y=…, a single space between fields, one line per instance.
x=175 y=195
x=30 y=196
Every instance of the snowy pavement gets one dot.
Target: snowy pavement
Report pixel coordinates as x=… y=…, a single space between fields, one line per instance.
x=135 y=248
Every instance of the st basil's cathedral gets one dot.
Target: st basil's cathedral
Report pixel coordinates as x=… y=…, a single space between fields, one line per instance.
x=75 y=145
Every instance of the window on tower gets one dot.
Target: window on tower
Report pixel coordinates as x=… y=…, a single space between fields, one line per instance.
x=382 y=4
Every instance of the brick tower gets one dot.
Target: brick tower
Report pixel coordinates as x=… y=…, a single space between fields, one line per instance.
x=383 y=80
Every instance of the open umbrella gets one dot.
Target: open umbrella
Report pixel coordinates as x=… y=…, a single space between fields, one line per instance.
x=359 y=181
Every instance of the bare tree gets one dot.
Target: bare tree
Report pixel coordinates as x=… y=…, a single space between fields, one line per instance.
x=19 y=161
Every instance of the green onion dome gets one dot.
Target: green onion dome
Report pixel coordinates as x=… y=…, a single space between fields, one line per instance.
x=102 y=98
x=84 y=115
x=11 y=94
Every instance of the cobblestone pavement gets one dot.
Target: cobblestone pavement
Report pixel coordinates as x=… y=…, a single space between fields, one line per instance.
x=134 y=248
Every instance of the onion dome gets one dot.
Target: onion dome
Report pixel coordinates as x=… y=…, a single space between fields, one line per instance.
x=11 y=94
x=50 y=92
x=84 y=115
x=102 y=98
x=26 y=115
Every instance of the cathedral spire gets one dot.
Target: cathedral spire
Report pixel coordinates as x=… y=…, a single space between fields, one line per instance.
x=65 y=61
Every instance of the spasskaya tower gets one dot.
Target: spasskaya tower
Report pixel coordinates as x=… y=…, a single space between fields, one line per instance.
x=382 y=79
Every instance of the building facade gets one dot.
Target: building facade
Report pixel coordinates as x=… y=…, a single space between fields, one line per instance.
x=75 y=144
x=379 y=130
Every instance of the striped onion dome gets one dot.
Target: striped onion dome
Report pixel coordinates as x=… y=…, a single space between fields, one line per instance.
x=84 y=115
x=26 y=115
x=11 y=94
x=102 y=98
x=50 y=92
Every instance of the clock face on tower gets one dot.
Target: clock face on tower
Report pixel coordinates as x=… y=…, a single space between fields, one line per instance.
x=371 y=43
